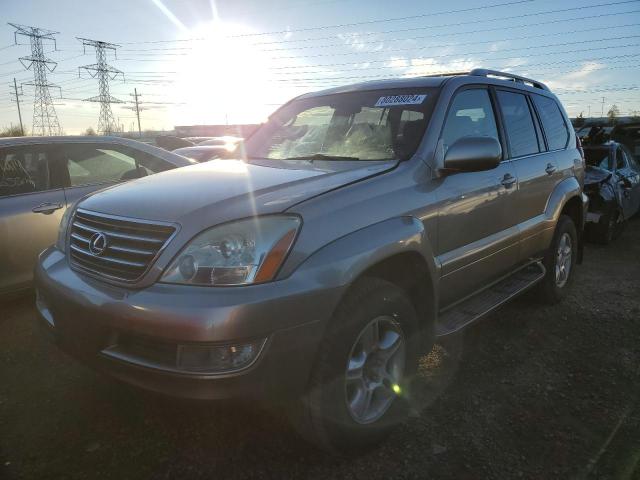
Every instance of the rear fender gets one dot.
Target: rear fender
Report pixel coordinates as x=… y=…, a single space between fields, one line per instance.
x=568 y=190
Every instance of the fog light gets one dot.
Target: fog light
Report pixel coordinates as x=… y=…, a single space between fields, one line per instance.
x=217 y=358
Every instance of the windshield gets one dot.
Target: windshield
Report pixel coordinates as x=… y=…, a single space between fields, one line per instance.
x=372 y=125
x=598 y=157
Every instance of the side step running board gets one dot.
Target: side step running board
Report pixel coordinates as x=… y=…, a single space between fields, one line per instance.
x=473 y=308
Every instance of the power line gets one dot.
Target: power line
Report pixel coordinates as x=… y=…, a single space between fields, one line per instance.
x=422 y=37
x=355 y=24
x=423 y=47
x=448 y=55
x=455 y=34
x=460 y=56
x=427 y=27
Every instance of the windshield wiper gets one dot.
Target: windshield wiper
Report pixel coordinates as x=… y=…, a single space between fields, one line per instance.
x=322 y=156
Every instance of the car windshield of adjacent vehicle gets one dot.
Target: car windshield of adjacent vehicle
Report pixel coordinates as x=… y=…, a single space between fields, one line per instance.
x=366 y=125
x=598 y=157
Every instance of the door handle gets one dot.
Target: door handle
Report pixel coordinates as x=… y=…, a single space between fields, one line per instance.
x=550 y=169
x=508 y=180
x=47 y=208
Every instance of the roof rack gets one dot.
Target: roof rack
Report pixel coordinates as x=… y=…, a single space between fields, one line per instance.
x=446 y=74
x=483 y=72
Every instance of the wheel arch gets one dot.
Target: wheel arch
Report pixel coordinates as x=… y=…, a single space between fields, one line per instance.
x=569 y=199
x=396 y=250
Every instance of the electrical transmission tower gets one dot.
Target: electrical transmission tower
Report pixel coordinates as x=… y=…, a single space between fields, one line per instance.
x=104 y=73
x=45 y=120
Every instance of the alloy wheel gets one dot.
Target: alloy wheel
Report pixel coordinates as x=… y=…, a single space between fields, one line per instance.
x=374 y=369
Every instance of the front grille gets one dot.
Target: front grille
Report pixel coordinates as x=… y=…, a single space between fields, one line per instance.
x=131 y=245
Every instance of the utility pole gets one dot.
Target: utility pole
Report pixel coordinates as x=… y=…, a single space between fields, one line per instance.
x=589 y=110
x=137 y=109
x=15 y=90
x=103 y=72
x=602 y=110
x=45 y=119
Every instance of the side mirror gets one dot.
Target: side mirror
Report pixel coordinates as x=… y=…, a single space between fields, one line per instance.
x=473 y=154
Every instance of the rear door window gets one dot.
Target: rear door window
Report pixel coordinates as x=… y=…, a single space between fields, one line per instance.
x=555 y=128
x=518 y=124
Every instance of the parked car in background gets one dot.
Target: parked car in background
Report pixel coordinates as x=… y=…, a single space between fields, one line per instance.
x=612 y=183
x=171 y=142
x=366 y=221
x=226 y=141
x=204 y=153
x=629 y=136
x=41 y=176
x=198 y=140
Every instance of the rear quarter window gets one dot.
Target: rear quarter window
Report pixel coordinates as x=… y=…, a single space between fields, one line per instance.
x=555 y=128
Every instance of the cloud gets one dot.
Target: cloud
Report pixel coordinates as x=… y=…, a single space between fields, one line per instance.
x=416 y=66
x=578 y=79
x=361 y=41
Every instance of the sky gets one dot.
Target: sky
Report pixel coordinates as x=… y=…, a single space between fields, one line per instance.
x=216 y=62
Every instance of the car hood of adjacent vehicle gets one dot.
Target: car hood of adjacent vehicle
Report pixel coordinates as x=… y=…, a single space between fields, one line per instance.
x=594 y=175
x=222 y=190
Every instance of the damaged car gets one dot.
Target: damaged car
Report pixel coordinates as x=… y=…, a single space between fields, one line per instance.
x=612 y=183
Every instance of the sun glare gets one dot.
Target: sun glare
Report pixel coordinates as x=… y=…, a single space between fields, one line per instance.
x=224 y=78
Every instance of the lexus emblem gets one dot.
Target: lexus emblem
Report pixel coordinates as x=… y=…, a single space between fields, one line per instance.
x=98 y=243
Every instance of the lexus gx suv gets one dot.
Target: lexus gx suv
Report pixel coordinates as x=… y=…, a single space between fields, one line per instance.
x=360 y=224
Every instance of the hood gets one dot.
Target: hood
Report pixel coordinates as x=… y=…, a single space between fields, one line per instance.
x=222 y=190
x=595 y=175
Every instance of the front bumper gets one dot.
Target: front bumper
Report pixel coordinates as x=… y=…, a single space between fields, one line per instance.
x=134 y=335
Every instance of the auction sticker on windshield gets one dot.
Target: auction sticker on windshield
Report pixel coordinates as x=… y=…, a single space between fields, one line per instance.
x=394 y=100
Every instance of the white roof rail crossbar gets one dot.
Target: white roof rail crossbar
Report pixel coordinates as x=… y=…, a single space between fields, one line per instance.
x=483 y=72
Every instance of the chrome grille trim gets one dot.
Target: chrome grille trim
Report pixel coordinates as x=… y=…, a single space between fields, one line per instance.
x=133 y=245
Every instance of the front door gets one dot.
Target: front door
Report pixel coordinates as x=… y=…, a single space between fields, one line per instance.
x=31 y=206
x=477 y=243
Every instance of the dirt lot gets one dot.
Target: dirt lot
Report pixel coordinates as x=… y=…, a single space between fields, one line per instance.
x=531 y=392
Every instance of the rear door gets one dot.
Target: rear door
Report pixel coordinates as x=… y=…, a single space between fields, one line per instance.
x=31 y=205
x=537 y=169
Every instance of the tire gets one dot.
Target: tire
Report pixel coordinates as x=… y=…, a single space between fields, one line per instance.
x=324 y=416
x=551 y=289
x=608 y=228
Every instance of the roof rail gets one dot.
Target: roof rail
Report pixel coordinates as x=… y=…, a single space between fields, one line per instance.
x=483 y=72
x=446 y=74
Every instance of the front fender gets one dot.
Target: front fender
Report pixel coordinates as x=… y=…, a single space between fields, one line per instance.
x=342 y=261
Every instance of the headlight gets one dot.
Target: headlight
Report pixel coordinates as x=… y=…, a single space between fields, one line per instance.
x=61 y=242
x=237 y=253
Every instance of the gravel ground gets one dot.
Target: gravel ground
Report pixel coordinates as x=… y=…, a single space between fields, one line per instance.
x=530 y=392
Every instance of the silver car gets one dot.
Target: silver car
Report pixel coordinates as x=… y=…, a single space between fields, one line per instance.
x=364 y=222
x=41 y=176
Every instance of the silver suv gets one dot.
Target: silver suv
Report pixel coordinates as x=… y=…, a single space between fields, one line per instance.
x=363 y=223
